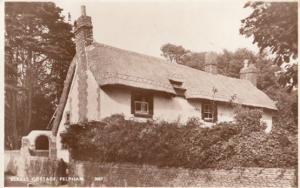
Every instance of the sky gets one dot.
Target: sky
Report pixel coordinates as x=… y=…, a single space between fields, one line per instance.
x=144 y=26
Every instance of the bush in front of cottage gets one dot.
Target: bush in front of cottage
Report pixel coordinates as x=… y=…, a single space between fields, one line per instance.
x=225 y=145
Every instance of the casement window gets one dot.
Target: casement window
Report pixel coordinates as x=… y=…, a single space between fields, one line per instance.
x=142 y=104
x=141 y=107
x=209 y=112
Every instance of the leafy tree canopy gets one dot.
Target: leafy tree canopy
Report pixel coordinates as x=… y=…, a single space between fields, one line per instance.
x=38 y=50
x=274 y=26
x=173 y=53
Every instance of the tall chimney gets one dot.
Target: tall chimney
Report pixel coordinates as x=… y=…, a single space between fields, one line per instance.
x=83 y=37
x=83 y=28
x=249 y=72
x=210 y=64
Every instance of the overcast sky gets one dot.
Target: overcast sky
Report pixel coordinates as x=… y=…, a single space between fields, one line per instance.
x=144 y=26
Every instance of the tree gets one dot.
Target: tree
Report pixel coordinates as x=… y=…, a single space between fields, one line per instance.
x=274 y=26
x=173 y=53
x=194 y=59
x=41 y=48
x=230 y=63
x=11 y=92
x=180 y=55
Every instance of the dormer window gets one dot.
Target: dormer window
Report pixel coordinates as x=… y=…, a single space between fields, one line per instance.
x=142 y=104
x=177 y=86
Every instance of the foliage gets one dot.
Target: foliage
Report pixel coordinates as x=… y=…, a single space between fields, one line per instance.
x=248 y=119
x=225 y=145
x=286 y=120
x=173 y=53
x=274 y=26
x=180 y=55
x=230 y=63
x=289 y=77
x=38 y=50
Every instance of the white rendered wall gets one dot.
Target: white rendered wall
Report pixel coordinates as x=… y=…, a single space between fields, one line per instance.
x=175 y=108
x=115 y=101
x=118 y=101
x=93 y=105
x=225 y=113
x=71 y=107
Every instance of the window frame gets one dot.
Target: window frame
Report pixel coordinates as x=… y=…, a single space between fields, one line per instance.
x=207 y=112
x=209 y=108
x=140 y=97
x=141 y=111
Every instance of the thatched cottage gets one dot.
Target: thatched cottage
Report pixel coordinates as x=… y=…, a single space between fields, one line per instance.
x=104 y=80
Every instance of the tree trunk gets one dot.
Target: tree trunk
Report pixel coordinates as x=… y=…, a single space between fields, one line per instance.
x=29 y=94
x=14 y=120
x=11 y=132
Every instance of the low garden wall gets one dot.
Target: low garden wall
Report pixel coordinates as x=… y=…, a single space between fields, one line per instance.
x=33 y=169
x=95 y=174
x=13 y=162
x=42 y=170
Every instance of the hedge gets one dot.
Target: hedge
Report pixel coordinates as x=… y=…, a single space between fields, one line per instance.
x=226 y=145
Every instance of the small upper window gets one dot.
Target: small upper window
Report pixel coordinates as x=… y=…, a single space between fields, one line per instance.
x=142 y=104
x=67 y=118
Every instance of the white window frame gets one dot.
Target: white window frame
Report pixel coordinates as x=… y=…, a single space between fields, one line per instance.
x=208 y=111
x=141 y=111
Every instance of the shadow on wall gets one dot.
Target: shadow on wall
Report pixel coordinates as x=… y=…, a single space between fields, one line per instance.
x=42 y=143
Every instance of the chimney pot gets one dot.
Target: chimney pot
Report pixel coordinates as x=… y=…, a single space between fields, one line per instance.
x=83 y=12
x=246 y=63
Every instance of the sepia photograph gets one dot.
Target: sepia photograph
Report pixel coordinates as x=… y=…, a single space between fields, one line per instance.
x=152 y=93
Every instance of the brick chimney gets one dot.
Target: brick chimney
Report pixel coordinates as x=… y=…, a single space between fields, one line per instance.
x=210 y=64
x=249 y=72
x=83 y=30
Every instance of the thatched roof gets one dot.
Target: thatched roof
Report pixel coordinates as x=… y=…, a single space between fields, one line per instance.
x=114 y=66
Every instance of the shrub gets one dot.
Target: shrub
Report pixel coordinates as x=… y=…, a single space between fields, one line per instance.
x=248 y=119
x=225 y=145
x=194 y=121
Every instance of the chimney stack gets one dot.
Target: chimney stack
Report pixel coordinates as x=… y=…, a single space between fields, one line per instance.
x=83 y=37
x=249 y=72
x=210 y=64
x=83 y=29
